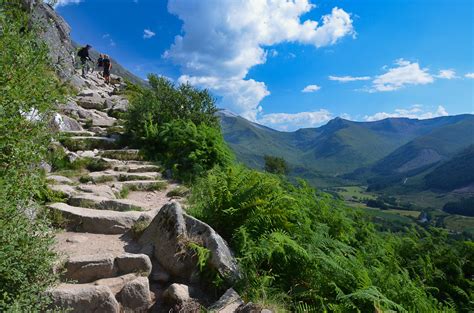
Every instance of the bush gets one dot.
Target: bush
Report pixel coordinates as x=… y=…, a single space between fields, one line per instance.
x=28 y=89
x=188 y=150
x=296 y=246
x=275 y=165
x=177 y=125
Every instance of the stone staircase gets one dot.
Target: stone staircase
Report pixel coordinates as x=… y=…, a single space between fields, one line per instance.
x=103 y=270
x=123 y=241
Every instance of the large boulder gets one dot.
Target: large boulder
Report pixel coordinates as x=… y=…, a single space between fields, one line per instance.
x=170 y=233
x=135 y=295
x=83 y=299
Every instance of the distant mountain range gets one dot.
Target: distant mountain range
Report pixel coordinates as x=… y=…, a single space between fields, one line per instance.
x=377 y=152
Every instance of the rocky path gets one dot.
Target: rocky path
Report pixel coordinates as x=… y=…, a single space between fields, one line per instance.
x=105 y=205
x=124 y=237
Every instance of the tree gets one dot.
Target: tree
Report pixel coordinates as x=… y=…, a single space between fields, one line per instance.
x=275 y=165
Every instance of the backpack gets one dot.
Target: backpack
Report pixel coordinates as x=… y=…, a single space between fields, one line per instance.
x=106 y=63
x=83 y=53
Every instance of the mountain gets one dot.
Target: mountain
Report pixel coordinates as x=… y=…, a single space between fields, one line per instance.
x=326 y=154
x=419 y=156
x=456 y=173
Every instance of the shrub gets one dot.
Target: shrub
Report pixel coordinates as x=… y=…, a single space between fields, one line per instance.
x=28 y=88
x=275 y=165
x=188 y=150
x=177 y=125
x=296 y=246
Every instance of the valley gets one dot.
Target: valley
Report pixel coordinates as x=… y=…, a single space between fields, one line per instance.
x=419 y=165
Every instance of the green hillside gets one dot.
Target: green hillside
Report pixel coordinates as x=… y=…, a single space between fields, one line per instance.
x=324 y=155
x=455 y=173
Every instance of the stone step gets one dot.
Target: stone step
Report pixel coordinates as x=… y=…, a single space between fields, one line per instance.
x=110 y=175
x=137 y=168
x=102 y=203
x=89 y=268
x=124 y=154
x=98 y=221
x=76 y=143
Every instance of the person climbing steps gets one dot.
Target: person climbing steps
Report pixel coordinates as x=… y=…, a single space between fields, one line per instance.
x=83 y=53
x=107 y=67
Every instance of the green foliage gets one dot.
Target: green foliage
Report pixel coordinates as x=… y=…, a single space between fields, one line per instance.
x=298 y=246
x=177 y=125
x=28 y=88
x=275 y=165
x=188 y=150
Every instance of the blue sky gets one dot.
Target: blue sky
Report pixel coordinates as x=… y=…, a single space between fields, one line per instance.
x=291 y=64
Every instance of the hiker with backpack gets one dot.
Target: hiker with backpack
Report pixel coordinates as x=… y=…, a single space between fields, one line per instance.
x=83 y=53
x=100 y=62
x=107 y=66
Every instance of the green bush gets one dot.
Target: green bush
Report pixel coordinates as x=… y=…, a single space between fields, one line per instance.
x=275 y=165
x=177 y=126
x=28 y=88
x=299 y=247
x=188 y=150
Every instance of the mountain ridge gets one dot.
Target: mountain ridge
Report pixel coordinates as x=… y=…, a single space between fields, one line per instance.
x=335 y=149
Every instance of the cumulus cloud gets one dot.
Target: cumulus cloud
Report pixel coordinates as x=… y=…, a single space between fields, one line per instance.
x=446 y=74
x=311 y=88
x=469 y=75
x=148 y=34
x=61 y=3
x=289 y=121
x=345 y=79
x=415 y=111
x=222 y=40
x=241 y=96
x=405 y=73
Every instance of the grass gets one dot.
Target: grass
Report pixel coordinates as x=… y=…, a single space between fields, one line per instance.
x=459 y=223
x=179 y=191
x=351 y=193
x=156 y=186
x=123 y=194
x=138 y=228
x=100 y=179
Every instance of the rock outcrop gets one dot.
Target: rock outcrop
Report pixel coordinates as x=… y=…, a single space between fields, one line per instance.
x=172 y=230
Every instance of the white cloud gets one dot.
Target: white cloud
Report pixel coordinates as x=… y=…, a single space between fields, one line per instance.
x=345 y=79
x=311 y=88
x=222 y=42
x=241 y=96
x=415 y=111
x=273 y=53
x=446 y=74
x=61 y=3
x=405 y=73
x=469 y=75
x=148 y=34
x=289 y=121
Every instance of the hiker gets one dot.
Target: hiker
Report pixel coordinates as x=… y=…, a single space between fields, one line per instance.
x=83 y=53
x=107 y=66
x=100 y=64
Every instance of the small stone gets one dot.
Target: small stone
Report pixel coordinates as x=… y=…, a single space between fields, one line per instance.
x=177 y=293
x=77 y=239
